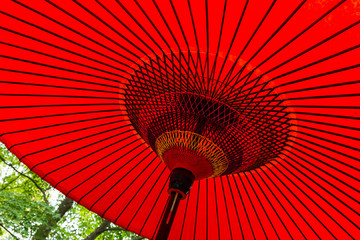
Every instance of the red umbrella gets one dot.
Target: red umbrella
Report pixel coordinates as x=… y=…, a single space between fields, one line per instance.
x=255 y=103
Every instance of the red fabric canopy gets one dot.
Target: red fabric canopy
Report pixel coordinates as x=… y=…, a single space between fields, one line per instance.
x=65 y=67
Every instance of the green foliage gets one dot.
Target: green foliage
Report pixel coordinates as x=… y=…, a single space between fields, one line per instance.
x=27 y=202
x=21 y=214
x=80 y=222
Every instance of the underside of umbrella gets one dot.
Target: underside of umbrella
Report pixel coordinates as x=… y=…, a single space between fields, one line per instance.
x=255 y=103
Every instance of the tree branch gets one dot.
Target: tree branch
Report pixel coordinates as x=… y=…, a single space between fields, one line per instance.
x=9 y=232
x=26 y=176
x=44 y=230
x=9 y=183
x=99 y=230
x=114 y=229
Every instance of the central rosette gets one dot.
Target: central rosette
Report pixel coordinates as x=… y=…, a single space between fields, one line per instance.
x=195 y=132
x=210 y=126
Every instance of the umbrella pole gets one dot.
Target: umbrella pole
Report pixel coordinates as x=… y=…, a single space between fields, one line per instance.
x=168 y=217
x=181 y=181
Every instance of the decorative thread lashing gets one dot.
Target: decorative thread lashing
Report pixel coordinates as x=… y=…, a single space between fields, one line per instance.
x=195 y=142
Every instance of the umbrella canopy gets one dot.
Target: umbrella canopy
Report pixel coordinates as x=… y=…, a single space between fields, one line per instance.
x=258 y=99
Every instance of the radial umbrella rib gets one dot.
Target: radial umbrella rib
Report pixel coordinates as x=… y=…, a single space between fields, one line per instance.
x=233 y=38
x=238 y=74
x=59 y=68
x=306 y=66
x=212 y=74
x=118 y=182
x=102 y=159
x=314 y=46
x=72 y=151
x=69 y=51
x=152 y=208
x=113 y=29
x=207 y=207
x=290 y=203
x=206 y=66
x=68 y=79
x=267 y=121
x=339 y=170
x=118 y=169
x=317 y=62
x=56 y=77
x=60 y=124
x=196 y=211
x=62 y=59
x=63 y=133
x=217 y=211
x=323 y=86
x=229 y=93
x=242 y=203
x=187 y=44
x=79 y=21
x=228 y=76
x=319 y=75
x=315 y=203
x=57 y=35
x=97 y=161
x=250 y=93
x=198 y=60
x=136 y=195
x=306 y=207
x=253 y=208
x=262 y=207
x=237 y=215
x=149 y=35
x=98 y=32
x=172 y=34
x=64 y=49
x=137 y=191
x=300 y=34
x=328 y=115
x=183 y=222
x=66 y=39
x=328 y=124
x=62 y=114
x=333 y=142
x=272 y=207
x=295 y=81
x=127 y=187
x=329 y=96
x=328 y=132
x=61 y=105
x=226 y=207
x=84 y=168
x=64 y=69
x=146 y=197
x=130 y=30
x=256 y=95
x=62 y=87
x=318 y=152
x=323 y=188
x=58 y=96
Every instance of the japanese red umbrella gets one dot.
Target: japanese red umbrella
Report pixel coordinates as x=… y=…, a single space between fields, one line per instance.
x=253 y=103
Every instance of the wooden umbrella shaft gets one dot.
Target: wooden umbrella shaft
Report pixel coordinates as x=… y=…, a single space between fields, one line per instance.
x=181 y=180
x=168 y=217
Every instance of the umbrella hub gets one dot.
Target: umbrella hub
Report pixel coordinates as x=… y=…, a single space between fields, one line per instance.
x=207 y=135
x=181 y=181
x=191 y=151
x=199 y=133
